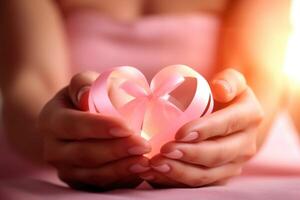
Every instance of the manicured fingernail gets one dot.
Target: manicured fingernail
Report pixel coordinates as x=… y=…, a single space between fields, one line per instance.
x=138 y=150
x=176 y=154
x=138 y=168
x=117 y=132
x=81 y=92
x=164 y=168
x=225 y=85
x=190 y=137
x=148 y=177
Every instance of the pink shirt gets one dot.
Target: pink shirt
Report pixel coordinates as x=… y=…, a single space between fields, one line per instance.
x=98 y=42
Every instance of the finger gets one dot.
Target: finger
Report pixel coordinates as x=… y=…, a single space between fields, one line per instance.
x=221 y=182
x=193 y=175
x=60 y=121
x=114 y=175
x=243 y=113
x=158 y=180
x=228 y=84
x=212 y=153
x=79 y=88
x=94 y=153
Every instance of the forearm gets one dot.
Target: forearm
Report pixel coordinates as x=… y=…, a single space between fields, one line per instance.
x=293 y=105
x=34 y=66
x=269 y=91
x=22 y=102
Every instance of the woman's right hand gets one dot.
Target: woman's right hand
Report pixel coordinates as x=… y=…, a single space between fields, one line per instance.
x=90 y=151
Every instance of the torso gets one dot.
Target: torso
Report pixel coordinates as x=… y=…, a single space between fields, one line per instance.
x=147 y=34
x=130 y=10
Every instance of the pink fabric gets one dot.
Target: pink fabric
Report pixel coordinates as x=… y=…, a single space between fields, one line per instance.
x=246 y=188
x=98 y=43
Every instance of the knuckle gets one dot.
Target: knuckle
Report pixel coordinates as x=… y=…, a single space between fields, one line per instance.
x=194 y=183
x=200 y=181
x=251 y=150
x=195 y=156
x=49 y=155
x=116 y=153
x=119 y=171
x=84 y=156
x=215 y=161
x=232 y=126
x=65 y=131
x=181 y=174
x=238 y=171
x=82 y=75
x=77 y=77
x=236 y=73
x=219 y=157
x=257 y=111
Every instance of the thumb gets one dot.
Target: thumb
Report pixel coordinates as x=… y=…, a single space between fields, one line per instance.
x=228 y=84
x=79 y=88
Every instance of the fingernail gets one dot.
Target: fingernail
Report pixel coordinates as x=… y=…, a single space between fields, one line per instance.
x=138 y=150
x=176 y=154
x=225 y=85
x=148 y=177
x=190 y=137
x=117 y=132
x=164 y=168
x=81 y=92
x=138 y=168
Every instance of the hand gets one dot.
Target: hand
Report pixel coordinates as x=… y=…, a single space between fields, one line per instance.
x=214 y=148
x=90 y=151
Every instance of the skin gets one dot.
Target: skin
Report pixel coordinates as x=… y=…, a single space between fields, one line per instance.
x=79 y=144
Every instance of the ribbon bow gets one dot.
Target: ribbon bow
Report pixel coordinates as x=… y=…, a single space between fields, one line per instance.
x=124 y=92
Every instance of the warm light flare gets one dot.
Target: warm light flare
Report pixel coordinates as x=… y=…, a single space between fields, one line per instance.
x=292 y=60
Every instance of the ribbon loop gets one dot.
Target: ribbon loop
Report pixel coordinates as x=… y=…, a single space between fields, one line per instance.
x=133 y=89
x=168 y=85
x=146 y=109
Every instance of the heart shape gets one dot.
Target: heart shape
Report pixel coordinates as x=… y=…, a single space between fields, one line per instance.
x=152 y=111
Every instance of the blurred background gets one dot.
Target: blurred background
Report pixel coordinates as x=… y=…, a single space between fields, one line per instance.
x=286 y=127
x=292 y=63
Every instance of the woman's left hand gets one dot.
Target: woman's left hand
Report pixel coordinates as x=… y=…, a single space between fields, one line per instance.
x=213 y=148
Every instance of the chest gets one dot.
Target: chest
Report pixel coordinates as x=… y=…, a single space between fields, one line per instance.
x=129 y=10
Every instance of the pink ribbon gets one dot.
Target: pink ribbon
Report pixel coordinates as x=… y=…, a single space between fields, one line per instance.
x=124 y=92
